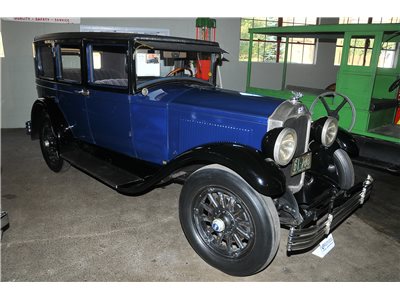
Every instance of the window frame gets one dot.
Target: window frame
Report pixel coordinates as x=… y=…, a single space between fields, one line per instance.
x=367 y=50
x=90 y=65
x=39 y=62
x=280 y=22
x=73 y=45
x=365 y=20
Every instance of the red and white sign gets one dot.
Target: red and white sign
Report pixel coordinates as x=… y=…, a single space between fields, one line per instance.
x=59 y=20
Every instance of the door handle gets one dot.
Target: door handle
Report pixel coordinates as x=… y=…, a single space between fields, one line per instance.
x=83 y=92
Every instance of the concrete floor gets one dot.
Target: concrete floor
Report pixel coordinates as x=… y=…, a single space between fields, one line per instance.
x=70 y=227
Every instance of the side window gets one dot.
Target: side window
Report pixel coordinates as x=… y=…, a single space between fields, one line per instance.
x=109 y=66
x=70 y=63
x=45 y=62
x=360 y=51
x=389 y=55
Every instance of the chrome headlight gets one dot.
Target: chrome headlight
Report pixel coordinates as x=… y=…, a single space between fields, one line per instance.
x=285 y=146
x=329 y=131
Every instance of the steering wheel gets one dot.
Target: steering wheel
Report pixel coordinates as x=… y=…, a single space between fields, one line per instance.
x=335 y=112
x=178 y=70
x=394 y=85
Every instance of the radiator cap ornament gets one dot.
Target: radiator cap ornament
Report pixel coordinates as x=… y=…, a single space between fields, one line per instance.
x=296 y=96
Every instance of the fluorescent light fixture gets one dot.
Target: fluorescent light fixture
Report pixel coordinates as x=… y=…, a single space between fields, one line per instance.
x=1 y=46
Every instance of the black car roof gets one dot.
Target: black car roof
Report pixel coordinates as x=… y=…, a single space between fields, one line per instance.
x=146 y=39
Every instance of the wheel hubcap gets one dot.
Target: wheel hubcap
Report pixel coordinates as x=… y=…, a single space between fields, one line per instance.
x=223 y=222
x=218 y=225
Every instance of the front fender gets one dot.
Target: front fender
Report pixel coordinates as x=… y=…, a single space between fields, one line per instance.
x=346 y=141
x=261 y=173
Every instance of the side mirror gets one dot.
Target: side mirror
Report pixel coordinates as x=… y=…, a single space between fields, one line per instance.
x=220 y=60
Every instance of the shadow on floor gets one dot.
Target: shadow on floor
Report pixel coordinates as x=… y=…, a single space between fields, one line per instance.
x=382 y=211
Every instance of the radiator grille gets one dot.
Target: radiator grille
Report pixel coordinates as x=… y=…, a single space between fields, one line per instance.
x=301 y=125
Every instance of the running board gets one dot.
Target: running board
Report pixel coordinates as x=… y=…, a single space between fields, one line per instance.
x=378 y=154
x=377 y=164
x=100 y=169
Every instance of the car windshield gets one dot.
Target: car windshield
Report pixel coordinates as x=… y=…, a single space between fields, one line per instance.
x=153 y=65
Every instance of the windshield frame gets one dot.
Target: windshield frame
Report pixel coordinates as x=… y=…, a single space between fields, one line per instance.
x=191 y=80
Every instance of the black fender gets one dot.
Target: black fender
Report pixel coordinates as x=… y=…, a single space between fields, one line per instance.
x=263 y=174
x=344 y=140
x=347 y=142
x=47 y=106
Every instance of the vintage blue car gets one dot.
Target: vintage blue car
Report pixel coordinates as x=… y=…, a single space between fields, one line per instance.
x=140 y=111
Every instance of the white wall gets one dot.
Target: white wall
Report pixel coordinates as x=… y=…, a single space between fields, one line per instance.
x=18 y=78
x=18 y=81
x=318 y=75
x=1 y=101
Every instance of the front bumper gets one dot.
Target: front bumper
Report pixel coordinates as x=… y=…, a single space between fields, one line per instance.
x=305 y=238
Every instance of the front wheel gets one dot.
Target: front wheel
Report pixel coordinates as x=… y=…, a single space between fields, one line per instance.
x=49 y=144
x=230 y=225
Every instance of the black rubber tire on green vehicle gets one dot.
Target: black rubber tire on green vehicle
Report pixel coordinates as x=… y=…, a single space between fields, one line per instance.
x=49 y=144
x=229 y=224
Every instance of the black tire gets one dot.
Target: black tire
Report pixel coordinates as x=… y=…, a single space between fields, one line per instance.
x=49 y=144
x=236 y=230
x=344 y=169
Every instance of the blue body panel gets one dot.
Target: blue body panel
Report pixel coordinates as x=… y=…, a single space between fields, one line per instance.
x=150 y=128
x=175 y=117
x=73 y=107
x=171 y=119
x=109 y=117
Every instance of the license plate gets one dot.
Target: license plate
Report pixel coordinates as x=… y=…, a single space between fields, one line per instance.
x=301 y=164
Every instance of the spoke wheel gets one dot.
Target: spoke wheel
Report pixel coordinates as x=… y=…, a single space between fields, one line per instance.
x=229 y=224
x=223 y=221
x=179 y=70
x=335 y=112
x=394 y=85
x=49 y=145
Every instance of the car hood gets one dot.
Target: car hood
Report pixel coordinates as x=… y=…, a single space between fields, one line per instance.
x=211 y=98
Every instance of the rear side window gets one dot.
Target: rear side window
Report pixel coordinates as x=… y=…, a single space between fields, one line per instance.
x=45 y=62
x=70 y=63
x=109 y=66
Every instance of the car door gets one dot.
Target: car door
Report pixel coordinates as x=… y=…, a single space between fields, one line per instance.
x=71 y=92
x=107 y=101
x=356 y=75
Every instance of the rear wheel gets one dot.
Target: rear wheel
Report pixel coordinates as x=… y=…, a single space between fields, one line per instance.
x=49 y=144
x=230 y=225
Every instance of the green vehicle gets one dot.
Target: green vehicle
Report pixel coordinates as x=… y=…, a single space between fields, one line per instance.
x=364 y=97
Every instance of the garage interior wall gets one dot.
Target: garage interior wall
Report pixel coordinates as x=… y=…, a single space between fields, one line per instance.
x=18 y=81
x=0 y=83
